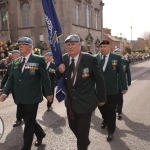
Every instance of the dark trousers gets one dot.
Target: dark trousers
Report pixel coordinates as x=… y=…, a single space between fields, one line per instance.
x=108 y=112
x=49 y=104
x=19 y=112
x=80 y=126
x=29 y=112
x=119 y=102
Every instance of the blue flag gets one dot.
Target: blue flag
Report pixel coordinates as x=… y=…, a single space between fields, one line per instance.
x=54 y=31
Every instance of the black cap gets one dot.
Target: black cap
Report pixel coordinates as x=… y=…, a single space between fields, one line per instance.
x=104 y=42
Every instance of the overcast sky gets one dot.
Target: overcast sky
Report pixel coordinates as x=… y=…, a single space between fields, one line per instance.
x=120 y=15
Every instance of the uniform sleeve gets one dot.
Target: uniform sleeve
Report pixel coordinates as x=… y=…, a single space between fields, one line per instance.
x=99 y=80
x=10 y=82
x=122 y=75
x=128 y=74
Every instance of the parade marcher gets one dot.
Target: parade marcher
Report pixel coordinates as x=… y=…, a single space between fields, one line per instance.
x=111 y=65
x=15 y=55
x=126 y=67
x=83 y=78
x=52 y=74
x=28 y=75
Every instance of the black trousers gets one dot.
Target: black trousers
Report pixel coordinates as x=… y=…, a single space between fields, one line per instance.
x=119 y=103
x=49 y=104
x=108 y=112
x=19 y=115
x=80 y=126
x=29 y=112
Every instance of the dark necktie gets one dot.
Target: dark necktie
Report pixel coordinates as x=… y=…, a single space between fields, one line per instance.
x=72 y=66
x=21 y=64
x=103 y=60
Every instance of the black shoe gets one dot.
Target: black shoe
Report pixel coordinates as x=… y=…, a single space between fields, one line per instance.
x=103 y=125
x=39 y=140
x=110 y=137
x=17 y=123
x=49 y=108
x=119 y=116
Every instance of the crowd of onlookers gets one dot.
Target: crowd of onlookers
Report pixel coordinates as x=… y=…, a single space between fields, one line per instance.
x=137 y=56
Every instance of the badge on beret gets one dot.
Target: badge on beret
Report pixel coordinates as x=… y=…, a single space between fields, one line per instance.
x=85 y=73
x=114 y=64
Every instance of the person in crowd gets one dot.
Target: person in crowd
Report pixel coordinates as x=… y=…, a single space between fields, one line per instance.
x=83 y=79
x=51 y=68
x=15 y=55
x=111 y=64
x=28 y=75
x=126 y=67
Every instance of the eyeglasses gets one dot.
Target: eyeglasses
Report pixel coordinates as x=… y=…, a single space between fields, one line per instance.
x=22 y=44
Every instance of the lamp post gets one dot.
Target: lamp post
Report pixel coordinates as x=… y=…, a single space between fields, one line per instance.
x=131 y=33
x=131 y=39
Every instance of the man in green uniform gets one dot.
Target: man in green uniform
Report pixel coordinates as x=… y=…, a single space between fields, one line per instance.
x=28 y=74
x=126 y=67
x=111 y=64
x=83 y=78
x=15 y=55
x=51 y=68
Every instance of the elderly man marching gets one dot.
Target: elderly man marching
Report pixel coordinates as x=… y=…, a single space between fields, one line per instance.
x=83 y=79
x=28 y=74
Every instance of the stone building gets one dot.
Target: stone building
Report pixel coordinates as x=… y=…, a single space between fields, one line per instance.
x=25 y=18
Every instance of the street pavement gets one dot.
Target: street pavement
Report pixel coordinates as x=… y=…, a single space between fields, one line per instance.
x=132 y=132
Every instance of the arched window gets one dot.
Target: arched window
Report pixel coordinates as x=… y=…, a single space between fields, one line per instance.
x=3 y=18
x=25 y=14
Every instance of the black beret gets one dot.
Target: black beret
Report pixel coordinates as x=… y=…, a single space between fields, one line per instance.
x=104 y=42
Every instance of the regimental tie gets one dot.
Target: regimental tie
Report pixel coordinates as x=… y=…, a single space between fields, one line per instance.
x=72 y=66
x=103 y=60
x=21 y=64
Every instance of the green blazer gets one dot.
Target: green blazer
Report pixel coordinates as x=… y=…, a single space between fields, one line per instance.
x=111 y=74
x=87 y=91
x=126 y=67
x=28 y=85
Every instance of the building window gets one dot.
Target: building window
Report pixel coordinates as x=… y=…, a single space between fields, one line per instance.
x=77 y=14
x=25 y=14
x=96 y=20
x=4 y=19
x=87 y=16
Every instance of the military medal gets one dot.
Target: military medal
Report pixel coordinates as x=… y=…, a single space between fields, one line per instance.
x=32 y=67
x=51 y=70
x=124 y=68
x=85 y=73
x=114 y=64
